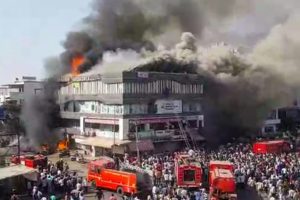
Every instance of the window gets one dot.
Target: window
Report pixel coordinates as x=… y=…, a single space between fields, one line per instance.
x=95 y=169
x=140 y=127
x=189 y=175
x=92 y=125
x=158 y=126
x=115 y=128
x=192 y=123
x=270 y=129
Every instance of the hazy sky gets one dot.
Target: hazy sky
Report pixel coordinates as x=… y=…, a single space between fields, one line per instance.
x=32 y=30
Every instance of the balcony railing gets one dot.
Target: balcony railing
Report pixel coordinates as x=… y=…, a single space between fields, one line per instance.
x=16 y=95
x=157 y=136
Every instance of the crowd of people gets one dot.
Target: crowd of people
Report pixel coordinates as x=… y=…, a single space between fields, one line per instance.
x=56 y=180
x=273 y=176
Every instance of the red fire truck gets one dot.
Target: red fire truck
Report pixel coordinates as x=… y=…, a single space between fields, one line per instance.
x=221 y=181
x=102 y=174
x=218 y=164
x=30 y=160
x=188 y=171
x=272 y=146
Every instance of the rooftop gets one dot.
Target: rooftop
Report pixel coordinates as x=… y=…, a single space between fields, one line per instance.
x=102 y=161
x=220 y=162
x=271 y=142
x=185 y=159
x=223 y=173
x=128 y=75
x=15 y=170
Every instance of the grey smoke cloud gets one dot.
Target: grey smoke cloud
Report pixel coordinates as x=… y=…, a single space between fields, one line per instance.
x=240 y=88
x=40 y=116
x=279 y=50
x=138 y=23
x=238 y=94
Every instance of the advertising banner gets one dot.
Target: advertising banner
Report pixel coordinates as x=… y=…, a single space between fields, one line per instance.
x=168 y=106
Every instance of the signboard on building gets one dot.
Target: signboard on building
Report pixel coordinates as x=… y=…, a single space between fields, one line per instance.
x=142 y=74
x=168 y=106
x=154 y=120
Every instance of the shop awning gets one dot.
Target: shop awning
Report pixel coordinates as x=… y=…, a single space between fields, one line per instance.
x=143 y=145
x=101 y=142
x=15 y=170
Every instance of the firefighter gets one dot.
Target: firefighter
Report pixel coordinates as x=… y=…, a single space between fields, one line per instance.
x=60 y=164
x=100 y=194
x=117 y=163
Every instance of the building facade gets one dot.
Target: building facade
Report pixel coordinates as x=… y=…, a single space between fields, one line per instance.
x=121 y=107
x=21 y=90
x=4 y=94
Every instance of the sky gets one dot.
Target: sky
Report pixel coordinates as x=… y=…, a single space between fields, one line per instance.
x=32 y=30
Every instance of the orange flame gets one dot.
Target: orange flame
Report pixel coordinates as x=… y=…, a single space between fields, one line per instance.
x=62 y=145
x=75 y=63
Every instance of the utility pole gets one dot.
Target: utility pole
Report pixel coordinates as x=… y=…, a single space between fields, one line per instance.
x=114 y=125
x=18 y=135
x=137 y=143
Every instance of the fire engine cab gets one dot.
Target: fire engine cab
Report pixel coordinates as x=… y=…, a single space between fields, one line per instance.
x=102 y=174
x=222 y=184
x=188 y=171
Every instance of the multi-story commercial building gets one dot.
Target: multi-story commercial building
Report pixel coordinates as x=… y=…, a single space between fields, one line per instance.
x=4 y=93
x=21 y=90
x=119 y=108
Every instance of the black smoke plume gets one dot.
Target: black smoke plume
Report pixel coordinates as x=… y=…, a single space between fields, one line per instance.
x=238 y=94
x=40 y=115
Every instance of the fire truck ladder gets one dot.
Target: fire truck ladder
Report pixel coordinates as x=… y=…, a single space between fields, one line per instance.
x=184 y=135
x=193 y=143
x=124 y=165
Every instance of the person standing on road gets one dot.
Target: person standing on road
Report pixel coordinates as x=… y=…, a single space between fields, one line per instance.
x=67 y=196
x=112 y=197
x=85 y=185
x=81 y=196
x=99 y=194
x=14 y=195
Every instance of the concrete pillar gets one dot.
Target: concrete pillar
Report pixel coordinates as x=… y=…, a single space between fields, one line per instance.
x=147 y=127
x=201 y=120
x=123 y=129
x=93 y=151
x=82 y=125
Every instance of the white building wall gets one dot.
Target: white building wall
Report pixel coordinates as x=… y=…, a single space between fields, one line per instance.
x=32 y=88
x=123 y=129
x=82 y=125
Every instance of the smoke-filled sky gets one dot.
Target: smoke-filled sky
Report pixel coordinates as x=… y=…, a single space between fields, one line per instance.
x=244 y=82
x=32 y=30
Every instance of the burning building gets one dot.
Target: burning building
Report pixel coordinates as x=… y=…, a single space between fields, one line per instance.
x=242 y=88
x=113 y=109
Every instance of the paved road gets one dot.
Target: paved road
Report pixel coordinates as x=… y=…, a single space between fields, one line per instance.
x=248 y=194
